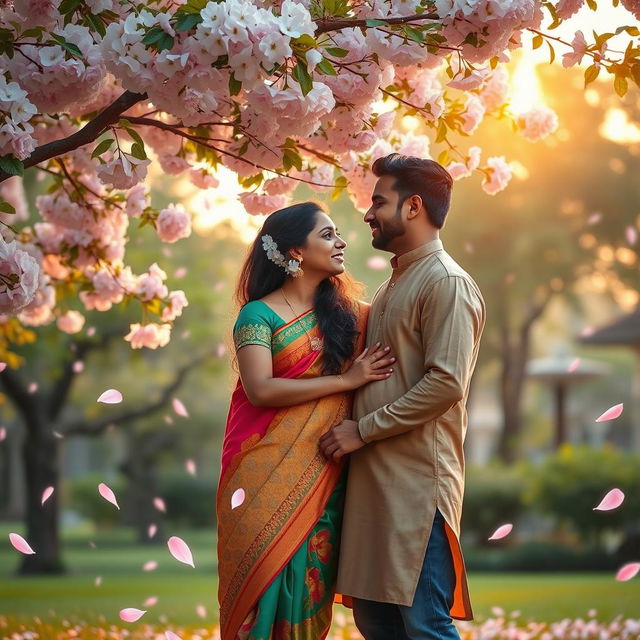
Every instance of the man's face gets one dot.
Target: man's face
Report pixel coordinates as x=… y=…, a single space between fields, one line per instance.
x=385 y=214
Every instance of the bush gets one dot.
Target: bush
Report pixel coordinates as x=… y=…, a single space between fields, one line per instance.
x=190 y=501
x=83 y=497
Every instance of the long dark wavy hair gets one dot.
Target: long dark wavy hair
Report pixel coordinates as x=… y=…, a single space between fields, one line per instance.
x=335 y=299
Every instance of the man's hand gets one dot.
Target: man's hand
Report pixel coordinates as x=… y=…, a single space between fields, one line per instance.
x=341 y=440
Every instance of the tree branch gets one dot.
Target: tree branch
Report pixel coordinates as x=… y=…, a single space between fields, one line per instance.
x=87 y=134
x=16 y=390
x=326 y=25
x=83 y=427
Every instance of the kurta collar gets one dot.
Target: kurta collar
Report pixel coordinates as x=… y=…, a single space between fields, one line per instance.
x=401 y=262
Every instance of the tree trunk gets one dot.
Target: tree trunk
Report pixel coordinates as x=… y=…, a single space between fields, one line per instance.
x=513 y=368
x=41 y=459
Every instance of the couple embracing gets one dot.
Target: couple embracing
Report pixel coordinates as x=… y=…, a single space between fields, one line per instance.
x=346 y=427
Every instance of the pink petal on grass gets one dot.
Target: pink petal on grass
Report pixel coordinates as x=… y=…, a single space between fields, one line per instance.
x=201 y=611
x=237 y=498
x=131 y=614
x=501 y=532
x=574 y=365
x=628 y=571
x=179 y=408
x=169 y=635
x=191 y=467
x=612 y=413
x=152 y=565
x=3 y=433
x=20 y=544
x=46 y=494
x=107 y=494
x=377 y=263
x=159 y=504
x=612 y=500
x=151 y=531
x=3 y=366
x=150 y=601
x=110 y=396
x=180 y=550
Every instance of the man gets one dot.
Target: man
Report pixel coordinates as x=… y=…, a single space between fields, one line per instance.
x=400 y=558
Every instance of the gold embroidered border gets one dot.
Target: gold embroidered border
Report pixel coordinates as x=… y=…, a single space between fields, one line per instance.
x=252 y=334
x=272 y=527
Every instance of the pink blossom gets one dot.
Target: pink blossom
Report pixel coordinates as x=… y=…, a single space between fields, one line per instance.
x=494 y=92
x=579 y=46
x=500 y=175
x=151 y=284
x=633 y=6
x=202 y=179
x=459 y=170
x=173 y=165
x=472 y=115
x=258 y=204
x=566 y=8
x=537 y=123
x=177 y=302
x=70 y=322
x=12 y=190
x=173 y=223
x=18 y=264
x=123 y=171
x=137 y=200
x=151 y=335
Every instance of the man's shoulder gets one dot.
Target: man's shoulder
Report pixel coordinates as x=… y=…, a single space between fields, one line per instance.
x=444 y=268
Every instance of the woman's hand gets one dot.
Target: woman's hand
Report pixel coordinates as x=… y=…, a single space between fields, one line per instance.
x=371 y=365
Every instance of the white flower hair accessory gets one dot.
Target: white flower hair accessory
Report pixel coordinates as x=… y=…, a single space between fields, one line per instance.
x=269 y=245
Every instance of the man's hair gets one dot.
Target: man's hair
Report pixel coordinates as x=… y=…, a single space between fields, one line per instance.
x=418 y=176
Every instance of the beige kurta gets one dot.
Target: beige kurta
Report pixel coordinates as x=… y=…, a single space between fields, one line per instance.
x=431 y=313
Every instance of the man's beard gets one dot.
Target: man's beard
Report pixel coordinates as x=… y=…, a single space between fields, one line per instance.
x=391 y=230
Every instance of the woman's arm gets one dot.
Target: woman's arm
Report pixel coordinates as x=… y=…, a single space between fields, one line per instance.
x=263 y=390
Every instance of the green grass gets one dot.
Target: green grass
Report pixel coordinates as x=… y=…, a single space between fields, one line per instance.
x=179 y=588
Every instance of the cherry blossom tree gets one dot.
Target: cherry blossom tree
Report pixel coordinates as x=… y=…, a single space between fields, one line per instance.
x=279 y=92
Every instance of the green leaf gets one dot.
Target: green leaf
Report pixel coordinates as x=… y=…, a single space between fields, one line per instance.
x=302 y=77
x=326 y=67
x=135 y=135
x=234 y=85
x=6 y=207
x=153 y=35
x=621 y=85
x=590 y=74
x=340 y=185
x=537 y=41
x=138 y=152
x=337 y=52
x=72 y=49
x=305 y=41
x=165 y=43
x=186 y=22
x=444 y=158
x=36 y=32
x=97 y=24
x=11 y=165
x=68 y=6
x=102 y=147
x=414 y=34
x=375 y=23
x=290 y=159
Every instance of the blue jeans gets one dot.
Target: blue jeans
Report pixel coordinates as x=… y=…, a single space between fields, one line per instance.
x=428 y=617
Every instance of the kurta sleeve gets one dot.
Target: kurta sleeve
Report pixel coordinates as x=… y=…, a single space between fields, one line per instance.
x=252 y=327
x=451 y=320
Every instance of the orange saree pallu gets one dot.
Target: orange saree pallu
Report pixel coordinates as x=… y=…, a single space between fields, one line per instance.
x=272 y=455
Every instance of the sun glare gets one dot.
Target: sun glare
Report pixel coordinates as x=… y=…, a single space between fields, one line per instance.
x=526 y=91
x=617 y=127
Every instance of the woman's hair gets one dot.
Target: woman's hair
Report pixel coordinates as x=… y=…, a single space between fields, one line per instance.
x=422 y=177
x=335 y=298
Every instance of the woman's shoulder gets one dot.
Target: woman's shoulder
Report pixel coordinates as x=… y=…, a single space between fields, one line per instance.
x=258 y=312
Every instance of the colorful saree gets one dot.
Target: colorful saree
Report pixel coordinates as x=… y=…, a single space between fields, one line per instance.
x=277 y=551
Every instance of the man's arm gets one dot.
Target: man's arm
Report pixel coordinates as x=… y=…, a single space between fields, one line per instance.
x=452 y=318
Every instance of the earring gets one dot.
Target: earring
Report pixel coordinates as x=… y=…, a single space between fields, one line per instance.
x=298 y=272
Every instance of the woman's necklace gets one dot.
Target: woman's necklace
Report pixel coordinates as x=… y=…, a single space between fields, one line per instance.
x=316 y=343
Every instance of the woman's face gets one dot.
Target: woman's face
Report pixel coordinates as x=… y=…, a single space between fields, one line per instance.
x=324 y=252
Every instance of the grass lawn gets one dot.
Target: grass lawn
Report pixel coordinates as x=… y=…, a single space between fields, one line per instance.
x=180 y=588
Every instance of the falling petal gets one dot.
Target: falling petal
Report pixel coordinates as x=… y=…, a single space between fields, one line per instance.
x=191 y=467
x=185 y=334
x=221 y=350
x=46 y=494
x=91 y=331
x=159 y=504
x=180 y=272
x=3 y=366
x=180 y=550
x=574 y=365
x=150 y=602
x=501 y=532
x=58 y=435
x=498 y=612
x=33 y=387
x=594 y=218
x=107 y=494
x=110 y=396
x=201 y=611
x=632 y=235
x=592 y=613
x=587 y=331
x=179 y=408
x=237 y=498
x=628 y=571
x=377 y=263
x=98 y=581
x=168 y=419
x=3 y=433
x=20 y=544
x=131 y=614
x=219 y=286
x=169 y=635
x=612 y=413
x=78 y=366
x=152 y=530
x=612 y=500
x=152 y=565
x=92 y=544
x=468 y=247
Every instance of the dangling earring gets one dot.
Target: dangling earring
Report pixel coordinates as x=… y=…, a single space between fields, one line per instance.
x=298 y=273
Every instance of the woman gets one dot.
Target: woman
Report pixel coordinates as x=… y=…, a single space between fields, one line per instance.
x=296 y=337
